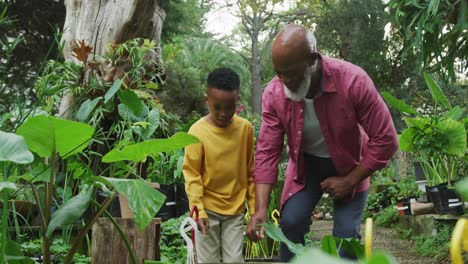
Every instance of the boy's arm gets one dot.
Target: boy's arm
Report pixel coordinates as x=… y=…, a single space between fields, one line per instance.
x=250 y=162
x=193 y=178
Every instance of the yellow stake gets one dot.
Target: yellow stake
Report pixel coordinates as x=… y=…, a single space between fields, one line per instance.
x=459 y=236
x=274 y=214
x=368 y=238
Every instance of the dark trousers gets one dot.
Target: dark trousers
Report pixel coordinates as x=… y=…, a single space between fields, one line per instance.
x=296 y=212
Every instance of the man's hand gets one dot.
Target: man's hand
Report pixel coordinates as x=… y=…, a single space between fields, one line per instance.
x=337 y=187
x=255 y=232
x=203 y=225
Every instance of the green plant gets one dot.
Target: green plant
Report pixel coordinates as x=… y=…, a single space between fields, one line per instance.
x=387 y=217
x=462 y=189
x=14 y=151
x=406 y=188
x=167 y=168
x=432 y=29
x=55 y=138
x=172 y=245
x=438 y=140
x=436 y=246
x=329 y=249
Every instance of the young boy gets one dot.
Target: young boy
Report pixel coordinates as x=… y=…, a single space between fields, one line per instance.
x=218 y=171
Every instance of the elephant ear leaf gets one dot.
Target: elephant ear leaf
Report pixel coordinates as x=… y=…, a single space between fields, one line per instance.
x=47 y=134
x=71 y=211
x=143 y=200
x=398 y=104
x=14 y=149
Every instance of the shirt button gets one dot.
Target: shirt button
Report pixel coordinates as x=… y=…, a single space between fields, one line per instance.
x=299 y=132
x=290 y=194
x=295 y=151
x=302 y=110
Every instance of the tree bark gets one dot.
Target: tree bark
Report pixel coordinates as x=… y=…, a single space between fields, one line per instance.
x=99 y=22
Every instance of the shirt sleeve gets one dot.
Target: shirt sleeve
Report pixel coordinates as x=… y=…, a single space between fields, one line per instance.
x=270 y=142
x=375 y=118
x=191 y=169
x=250 y=162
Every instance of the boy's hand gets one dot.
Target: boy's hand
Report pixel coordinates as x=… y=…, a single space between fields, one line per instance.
x=203 y=225
x=255 y=232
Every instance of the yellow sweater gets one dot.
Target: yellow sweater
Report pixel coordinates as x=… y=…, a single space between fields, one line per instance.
x=218 y=170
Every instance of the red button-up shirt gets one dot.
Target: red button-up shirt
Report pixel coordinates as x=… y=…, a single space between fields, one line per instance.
x=355 y=122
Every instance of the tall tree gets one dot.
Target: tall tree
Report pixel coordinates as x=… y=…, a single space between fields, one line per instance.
x=262 y=21
x=102 y=22
x=184 y=18
x=435 y=31
x=188 y=62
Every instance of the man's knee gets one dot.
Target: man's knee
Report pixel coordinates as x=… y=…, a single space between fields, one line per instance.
x=299 y=223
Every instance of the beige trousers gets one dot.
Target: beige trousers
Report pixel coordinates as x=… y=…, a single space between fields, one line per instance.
x=224 y=240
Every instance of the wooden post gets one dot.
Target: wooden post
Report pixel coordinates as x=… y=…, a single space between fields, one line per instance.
x=109 y=248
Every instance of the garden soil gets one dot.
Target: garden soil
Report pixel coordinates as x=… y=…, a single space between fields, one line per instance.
x=383 y=239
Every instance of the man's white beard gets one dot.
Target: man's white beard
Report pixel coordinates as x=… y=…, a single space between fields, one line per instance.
x=303 y=88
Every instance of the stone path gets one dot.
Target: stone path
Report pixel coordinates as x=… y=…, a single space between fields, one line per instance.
x=384 y=239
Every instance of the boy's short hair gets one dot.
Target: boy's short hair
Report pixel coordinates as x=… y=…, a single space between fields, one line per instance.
x=224 y=79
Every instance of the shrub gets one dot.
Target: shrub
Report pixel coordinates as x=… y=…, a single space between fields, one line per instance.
x=435 y=246
x=387 y=217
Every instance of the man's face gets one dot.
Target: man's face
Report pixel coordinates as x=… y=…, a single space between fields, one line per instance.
x=222 y=105
x=299 y=92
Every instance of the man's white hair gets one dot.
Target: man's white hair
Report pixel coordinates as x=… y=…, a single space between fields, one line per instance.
x=311 y=40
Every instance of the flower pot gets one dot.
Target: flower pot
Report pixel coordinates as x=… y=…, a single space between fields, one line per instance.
x=168 y=210
x=445 y=200
x=404 y=208
x=182 y=202
x=422 y=185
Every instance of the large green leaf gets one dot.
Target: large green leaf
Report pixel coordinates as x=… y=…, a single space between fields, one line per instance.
x=14 y=149
x=421 y=123
x=436 y=92
x=406 y=139
x=462 y=189
x=130 y=99
x=46 y=134
x=313 y=255
x=329 y=245
x=381 y=258
x=86 y=108
x=127 y=113
x=398 y=104
x=276 y=234
x=14 y=255
x=353 y=246
x=39 y=173
x=455 y=137
x=111 y=92
x=140 y=151
x=455 y=113
x=154 y=121
x=144 y=200
x=71 y=211
x=7 y=187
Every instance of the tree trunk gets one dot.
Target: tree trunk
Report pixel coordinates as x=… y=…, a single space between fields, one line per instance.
x=256 y=61
x=99 y=22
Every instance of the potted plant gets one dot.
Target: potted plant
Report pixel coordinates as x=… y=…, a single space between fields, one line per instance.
x=438 y=142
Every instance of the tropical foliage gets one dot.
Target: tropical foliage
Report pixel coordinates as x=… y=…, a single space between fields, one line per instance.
x=437 y=139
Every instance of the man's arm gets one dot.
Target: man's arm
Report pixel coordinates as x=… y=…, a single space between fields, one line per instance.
x=250 y=183
x=374 y=116
x=268 y=154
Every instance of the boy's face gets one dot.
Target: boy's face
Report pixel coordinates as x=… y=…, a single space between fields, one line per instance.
x=222 y=105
